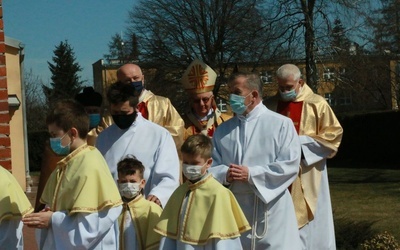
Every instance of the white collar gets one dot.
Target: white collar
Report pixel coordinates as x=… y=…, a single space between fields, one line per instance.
x=252 y=114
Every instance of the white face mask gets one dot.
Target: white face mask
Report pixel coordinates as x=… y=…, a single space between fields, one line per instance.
x=129 y=190
x=192 y=172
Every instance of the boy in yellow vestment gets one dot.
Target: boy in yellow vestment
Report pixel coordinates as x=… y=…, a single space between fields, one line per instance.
x=201 y=213
x=13 y=206
x=81 y=198
x=139 y=215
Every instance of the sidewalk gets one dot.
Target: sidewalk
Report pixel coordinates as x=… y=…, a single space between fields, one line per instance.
x=29 y=233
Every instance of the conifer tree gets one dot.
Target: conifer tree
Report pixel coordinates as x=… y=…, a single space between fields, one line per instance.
x=65 y=81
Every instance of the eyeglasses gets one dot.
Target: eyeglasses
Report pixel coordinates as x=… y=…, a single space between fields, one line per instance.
x=204 y=99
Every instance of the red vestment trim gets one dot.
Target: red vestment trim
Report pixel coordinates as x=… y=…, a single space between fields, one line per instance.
x=292 y=110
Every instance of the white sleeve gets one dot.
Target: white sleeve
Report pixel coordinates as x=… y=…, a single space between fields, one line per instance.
x=313 y=151
x=11 y=234
x=166 y=170
x=81 y=230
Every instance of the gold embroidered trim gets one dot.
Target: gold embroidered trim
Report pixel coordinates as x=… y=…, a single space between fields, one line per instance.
x=99 y=208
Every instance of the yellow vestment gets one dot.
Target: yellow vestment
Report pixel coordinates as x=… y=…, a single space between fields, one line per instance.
x=13 y=201
x=145 y=215
x=194 y=126
x=319 y=122
x=161 y=111
x=82 y=182
x=212 y=212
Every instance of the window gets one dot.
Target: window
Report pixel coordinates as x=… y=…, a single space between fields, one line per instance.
x=222 y=106
x=329 y=74
x=329 y=98
x=266 y=77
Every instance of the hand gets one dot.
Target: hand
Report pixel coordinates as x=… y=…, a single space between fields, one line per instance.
x=154 y=199
x=237 y=173
x=38 y=220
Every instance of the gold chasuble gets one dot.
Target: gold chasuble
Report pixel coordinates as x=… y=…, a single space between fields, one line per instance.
x=82 y=182
x=13 y=201
x=313 y=117
x=207 y=127
x=145 y=215
x=211 y=212
x=161 y=111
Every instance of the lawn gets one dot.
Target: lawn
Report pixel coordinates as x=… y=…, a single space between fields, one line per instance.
x=366 y=194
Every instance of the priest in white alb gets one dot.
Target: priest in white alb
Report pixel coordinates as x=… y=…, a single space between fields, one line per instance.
x=257 y=154
x=150 y=143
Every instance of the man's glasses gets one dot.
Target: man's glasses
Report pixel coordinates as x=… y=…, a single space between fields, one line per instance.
x=204 y=99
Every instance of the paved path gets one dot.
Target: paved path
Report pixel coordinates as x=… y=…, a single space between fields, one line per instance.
x=29 y=233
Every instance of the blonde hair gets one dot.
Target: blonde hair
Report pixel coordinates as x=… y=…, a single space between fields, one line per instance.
x=198 y=145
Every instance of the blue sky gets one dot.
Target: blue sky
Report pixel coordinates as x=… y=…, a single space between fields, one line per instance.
x=88 y=25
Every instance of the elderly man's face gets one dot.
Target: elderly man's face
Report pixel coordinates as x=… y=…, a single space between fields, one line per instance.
x=201 y=103
x=286 y=85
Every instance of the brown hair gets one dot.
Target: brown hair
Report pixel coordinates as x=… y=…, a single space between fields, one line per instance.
x=129 y=165
x=68 y=114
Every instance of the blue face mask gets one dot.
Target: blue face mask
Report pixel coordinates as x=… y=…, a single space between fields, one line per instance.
x=237 y=103
x=94 y=120
x=289 y=95
x=138 y=86
x=55 y=144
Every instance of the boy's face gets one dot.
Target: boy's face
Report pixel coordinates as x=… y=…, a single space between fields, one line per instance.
x=197 y=160
x=132 y=178
x=57 y=132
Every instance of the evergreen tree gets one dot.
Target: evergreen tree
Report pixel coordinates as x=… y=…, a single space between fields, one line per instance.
x=387 y=28
x=119 y=50
x=65 y=82
x=339 y=42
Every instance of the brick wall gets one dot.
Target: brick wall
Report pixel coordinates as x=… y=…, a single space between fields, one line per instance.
x=5 y=149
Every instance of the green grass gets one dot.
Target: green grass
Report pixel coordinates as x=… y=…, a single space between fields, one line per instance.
x=367 y=195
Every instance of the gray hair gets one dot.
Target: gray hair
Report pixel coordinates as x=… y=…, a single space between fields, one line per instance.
x=287 y=70
x=253 y=81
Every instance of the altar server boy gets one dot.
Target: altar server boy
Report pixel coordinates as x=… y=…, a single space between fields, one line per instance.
x=201 y=213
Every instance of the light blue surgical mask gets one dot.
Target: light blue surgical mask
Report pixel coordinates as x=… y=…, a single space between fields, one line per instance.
x=237 y=103
x=55 y=144
x=94 y=120
x=289 y=95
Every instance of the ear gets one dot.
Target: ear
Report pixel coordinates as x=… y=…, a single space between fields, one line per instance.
x=209 y=162
x=74 y=133
x=142 y=183
x=255 y=94
x=301 y=82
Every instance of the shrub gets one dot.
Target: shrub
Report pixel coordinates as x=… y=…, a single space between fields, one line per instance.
x=381 y=241
x=351 y=234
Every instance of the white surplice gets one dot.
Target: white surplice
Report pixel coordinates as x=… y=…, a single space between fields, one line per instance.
x=11 y=234
x=81 y=230
x=267 y=143
x=320 y=232
x=153 y=146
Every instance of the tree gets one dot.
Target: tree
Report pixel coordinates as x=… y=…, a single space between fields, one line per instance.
x=34 y=102
x=65 y=82
x=121 y=51
x=340 y=43
x=386 y=27
x=172 y=33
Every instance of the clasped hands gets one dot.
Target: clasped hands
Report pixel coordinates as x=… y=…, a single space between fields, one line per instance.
x=237 y=173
